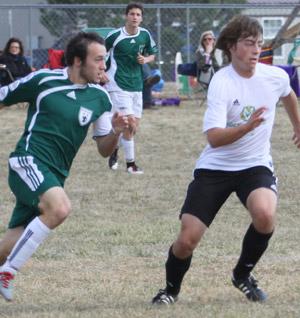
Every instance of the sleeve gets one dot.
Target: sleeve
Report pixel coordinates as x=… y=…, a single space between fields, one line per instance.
x=102 y=125
x=216 y=112
x=110 y=38
x=286 y=87
x=19 y=91
x=108 y=42
x=151 y=47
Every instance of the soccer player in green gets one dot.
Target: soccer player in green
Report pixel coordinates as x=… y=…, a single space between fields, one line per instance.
x=129 y=48
x=62 y=105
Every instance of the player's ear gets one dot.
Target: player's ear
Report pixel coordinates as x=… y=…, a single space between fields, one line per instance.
x=77 y=61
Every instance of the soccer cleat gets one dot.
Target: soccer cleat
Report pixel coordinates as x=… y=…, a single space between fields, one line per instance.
x=249 y=287
x=113 y=160
x=162 y=298
x=134 y=169
x=6 y=280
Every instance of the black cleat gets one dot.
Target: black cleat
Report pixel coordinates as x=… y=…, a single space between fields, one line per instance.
x=162 y=298
x=113 y=160
x=249 y=287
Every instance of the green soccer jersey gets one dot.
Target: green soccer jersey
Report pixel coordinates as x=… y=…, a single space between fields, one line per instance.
x=58 y=117
x=124 y=72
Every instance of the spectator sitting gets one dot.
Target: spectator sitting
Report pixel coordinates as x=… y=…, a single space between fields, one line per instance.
x=205 y=60
x=13 y=58
x=205 y=53
x=149 y=80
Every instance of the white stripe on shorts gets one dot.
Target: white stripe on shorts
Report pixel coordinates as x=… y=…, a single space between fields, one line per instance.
x=27 y=171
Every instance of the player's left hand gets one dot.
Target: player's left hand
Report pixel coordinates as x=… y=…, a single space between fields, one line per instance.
x=141 y=59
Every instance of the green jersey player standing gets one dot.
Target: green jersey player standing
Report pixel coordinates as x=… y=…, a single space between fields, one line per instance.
x=129 y=48
x=62 y=105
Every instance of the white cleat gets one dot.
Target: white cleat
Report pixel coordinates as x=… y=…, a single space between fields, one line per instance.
x=6 y=284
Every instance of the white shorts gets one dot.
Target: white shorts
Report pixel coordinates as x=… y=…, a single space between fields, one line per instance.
x=127 y=103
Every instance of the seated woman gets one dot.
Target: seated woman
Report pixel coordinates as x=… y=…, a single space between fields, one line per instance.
x=205 y=53
x=205 y=61
x=14 y=60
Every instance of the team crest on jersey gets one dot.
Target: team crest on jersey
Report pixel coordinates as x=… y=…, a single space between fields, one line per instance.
x=141 y=48
x=247 y=112
x=84 y=116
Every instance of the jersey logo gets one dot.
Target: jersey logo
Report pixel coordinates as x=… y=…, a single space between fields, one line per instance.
x=247 y=112
x=236 y=102
x=132 y=41
x=72 y=95
x=84 y=116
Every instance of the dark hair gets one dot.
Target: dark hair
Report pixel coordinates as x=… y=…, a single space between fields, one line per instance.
x=9 y=42
x=78 y=46
x=133 y=5
x=239 y=27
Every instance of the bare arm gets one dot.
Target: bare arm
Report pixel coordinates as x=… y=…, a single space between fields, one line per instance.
x=145 y=59
x=218 y=137
x=290 y=103
x=107 y=144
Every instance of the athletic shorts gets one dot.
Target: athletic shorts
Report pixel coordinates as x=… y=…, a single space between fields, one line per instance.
x=127 y=103
x=211 y=188
x=29 y=178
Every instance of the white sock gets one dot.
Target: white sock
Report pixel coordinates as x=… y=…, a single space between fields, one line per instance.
x=34 y=234
x=128 y=146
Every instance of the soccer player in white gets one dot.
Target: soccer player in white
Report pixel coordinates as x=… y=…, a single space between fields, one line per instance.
x=238 y=122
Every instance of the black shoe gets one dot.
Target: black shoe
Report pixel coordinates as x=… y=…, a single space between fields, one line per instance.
x=162 y=298
x=132 y=168
x=249 y=287
x=152 y=80
x=113 y=160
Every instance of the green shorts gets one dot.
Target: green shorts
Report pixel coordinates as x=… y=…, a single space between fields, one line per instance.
x=28 y=179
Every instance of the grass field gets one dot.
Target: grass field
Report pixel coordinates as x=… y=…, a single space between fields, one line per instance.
x=107 y=259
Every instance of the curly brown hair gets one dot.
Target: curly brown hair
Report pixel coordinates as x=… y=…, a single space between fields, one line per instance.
x=239 y=27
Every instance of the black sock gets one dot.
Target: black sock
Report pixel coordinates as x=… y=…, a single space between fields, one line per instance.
x=130 y=164
x=254 y=245
x=175 y=271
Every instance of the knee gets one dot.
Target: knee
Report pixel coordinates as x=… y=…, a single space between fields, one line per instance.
x=62 y=211
x=265 y=221
x=4 y=252
x=186 y=244
x=56 y=214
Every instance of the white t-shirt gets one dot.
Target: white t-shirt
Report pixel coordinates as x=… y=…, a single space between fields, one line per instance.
x=231 y=100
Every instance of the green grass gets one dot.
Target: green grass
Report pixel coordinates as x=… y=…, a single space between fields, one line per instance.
x=107 y=259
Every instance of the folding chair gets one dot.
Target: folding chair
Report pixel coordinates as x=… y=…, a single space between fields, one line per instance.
x=55 y=59
x=204 y=77
x=5 y=75
x=266 y=55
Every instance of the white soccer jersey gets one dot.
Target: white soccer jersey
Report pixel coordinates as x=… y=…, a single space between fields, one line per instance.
x=231 y=101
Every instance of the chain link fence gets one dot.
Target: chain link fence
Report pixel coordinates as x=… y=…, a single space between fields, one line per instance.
x=174 y=27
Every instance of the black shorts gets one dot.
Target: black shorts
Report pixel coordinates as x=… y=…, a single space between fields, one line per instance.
x=211 y=188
